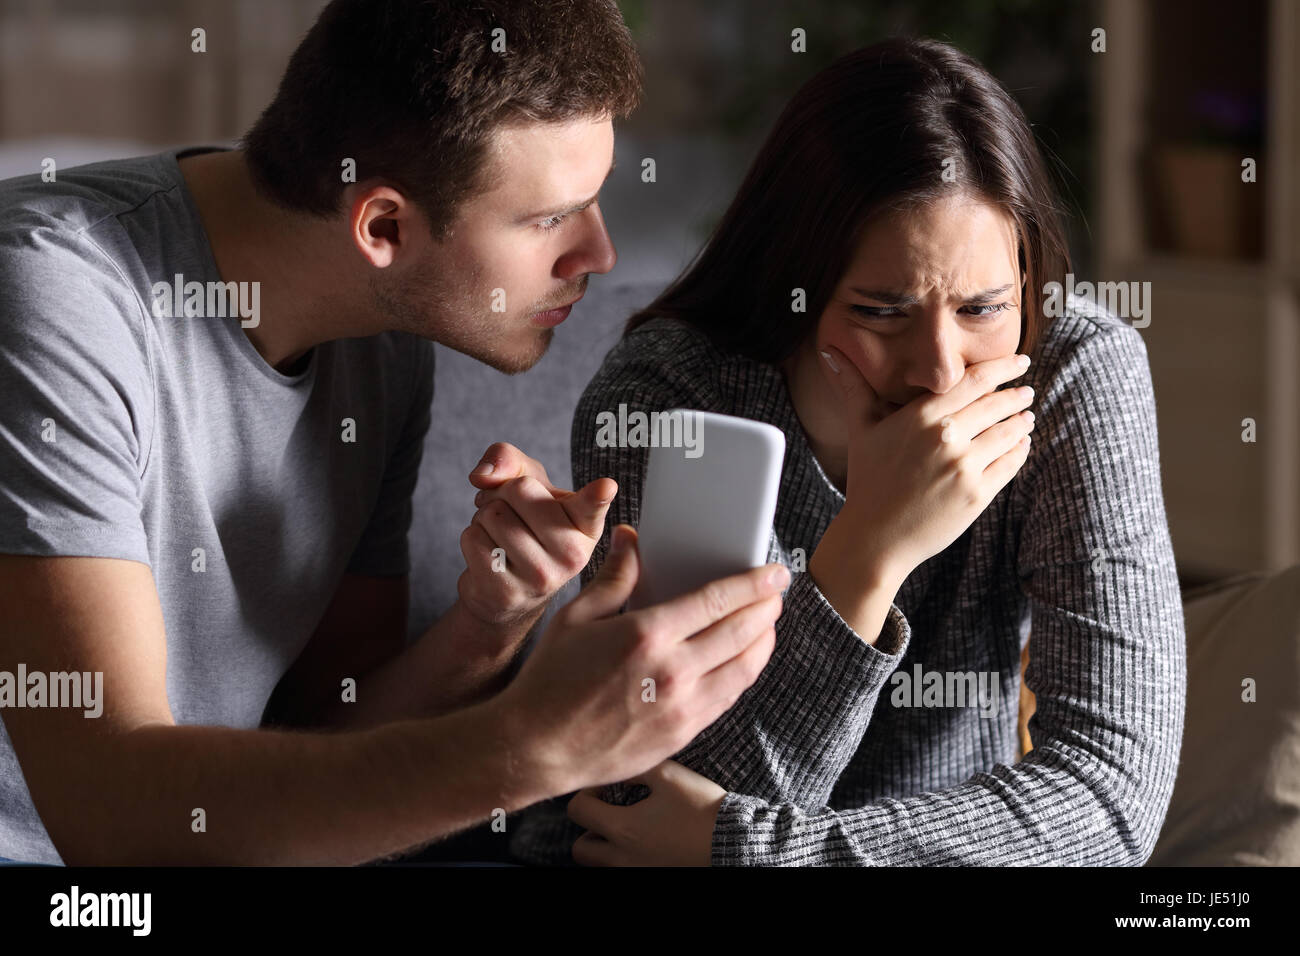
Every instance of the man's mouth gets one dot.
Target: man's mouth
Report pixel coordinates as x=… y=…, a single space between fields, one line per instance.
x=553 y=317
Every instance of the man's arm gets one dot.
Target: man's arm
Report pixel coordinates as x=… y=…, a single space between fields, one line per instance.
x=571 y=719
x=545 y=535
x=457 y=662
x=266 y=797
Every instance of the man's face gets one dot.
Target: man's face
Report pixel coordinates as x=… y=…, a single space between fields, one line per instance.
x=514 y=252
x=929 y=291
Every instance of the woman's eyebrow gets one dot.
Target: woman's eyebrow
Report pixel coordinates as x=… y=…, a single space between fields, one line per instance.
x=989 y=294
x=889 y=298
x=902 y=298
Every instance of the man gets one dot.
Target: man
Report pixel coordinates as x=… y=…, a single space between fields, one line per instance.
x=215 y=379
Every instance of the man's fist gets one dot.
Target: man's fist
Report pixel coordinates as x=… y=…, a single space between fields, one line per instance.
x=528 y=538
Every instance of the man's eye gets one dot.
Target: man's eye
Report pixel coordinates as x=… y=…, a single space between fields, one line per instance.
x=553 y=222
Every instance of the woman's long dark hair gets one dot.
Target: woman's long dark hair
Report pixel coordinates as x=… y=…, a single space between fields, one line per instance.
x=869 y=133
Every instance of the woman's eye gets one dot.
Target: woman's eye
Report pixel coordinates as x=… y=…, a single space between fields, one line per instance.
x=889 y=312
x=988 y=309
x=876 y=311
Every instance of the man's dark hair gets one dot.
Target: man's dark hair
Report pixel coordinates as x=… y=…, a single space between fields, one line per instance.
x=412 y=90
x=868 y=134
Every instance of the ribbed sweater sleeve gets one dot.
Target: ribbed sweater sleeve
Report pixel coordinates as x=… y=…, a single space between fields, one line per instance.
x=1107 y=660
x=791 y=734
x=1077 y=545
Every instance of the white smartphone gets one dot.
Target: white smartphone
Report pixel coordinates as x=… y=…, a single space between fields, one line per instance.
x=709 y=501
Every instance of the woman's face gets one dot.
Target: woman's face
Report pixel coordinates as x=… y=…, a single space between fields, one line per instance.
x=928 y=292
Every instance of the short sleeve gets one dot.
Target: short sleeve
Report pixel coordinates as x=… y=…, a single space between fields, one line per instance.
x=76 y=399
x=384 y=549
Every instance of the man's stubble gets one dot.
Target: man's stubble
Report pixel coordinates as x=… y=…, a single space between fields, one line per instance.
x=458 y=315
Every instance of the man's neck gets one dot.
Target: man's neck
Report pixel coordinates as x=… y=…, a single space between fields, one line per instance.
x=253 y=240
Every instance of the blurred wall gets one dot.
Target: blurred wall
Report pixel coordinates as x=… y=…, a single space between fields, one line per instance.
x=1145 y=139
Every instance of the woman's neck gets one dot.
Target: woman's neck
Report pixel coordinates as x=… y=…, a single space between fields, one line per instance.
x=818 y=412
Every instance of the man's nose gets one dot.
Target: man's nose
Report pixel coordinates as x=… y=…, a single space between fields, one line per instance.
x=594 y=251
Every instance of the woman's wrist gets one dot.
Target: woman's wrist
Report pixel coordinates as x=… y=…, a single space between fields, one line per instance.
x=860 y=582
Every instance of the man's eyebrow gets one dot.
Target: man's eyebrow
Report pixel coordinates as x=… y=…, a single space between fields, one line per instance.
x=903 y=299
x=573 y=206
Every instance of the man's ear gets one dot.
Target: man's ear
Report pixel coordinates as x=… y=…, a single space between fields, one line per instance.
x=380 y=220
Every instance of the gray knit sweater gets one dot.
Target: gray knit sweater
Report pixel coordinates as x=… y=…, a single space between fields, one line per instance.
x=844 y=753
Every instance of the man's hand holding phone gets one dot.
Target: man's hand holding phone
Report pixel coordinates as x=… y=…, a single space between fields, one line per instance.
x=577 y=708
x=579 y=700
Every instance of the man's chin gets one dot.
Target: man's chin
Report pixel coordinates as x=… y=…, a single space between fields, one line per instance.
x=516 y=359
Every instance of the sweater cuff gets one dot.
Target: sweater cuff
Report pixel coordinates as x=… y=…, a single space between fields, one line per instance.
x=869 y=665
x=739 y=838
x=796 y=729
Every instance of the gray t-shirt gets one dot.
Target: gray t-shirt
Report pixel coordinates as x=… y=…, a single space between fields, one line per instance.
x=171 y=441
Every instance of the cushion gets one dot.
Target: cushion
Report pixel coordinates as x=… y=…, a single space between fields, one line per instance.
x=1236 y=800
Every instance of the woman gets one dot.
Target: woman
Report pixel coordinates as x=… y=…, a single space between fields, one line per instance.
x=902 y=201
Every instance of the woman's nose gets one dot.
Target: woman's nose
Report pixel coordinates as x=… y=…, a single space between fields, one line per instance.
x=935 y=370
x=932 y=354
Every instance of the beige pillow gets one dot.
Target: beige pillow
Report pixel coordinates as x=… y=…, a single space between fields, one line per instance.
x=1236 y=801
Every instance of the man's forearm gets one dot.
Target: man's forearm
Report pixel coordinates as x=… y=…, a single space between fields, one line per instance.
x=286 y=797
x=457 y=662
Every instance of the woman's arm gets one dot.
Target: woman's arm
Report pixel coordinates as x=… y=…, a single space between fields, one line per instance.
x=1107 y=664
x=790 y=736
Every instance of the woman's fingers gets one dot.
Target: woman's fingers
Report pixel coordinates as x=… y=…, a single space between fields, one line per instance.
x=588 y=811
x=980 y=379
x=1000 y=438
x=1008 y=466
x=993 y=408
x=592 y=850
x=861 y=403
